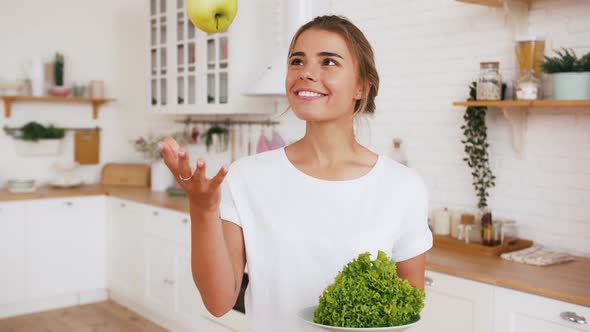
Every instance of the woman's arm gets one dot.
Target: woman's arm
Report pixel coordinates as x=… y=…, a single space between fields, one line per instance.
x=413 y=270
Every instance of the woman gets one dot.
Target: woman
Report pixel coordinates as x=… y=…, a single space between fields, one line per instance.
x=298 y=214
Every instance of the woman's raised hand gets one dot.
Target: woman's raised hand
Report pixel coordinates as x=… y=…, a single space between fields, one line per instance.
x=202 y=193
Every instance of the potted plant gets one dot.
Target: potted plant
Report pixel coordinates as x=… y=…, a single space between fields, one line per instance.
x=34 y=139
x=476 y=149
x=161 y=178
x=571 y=75
x=59 y=89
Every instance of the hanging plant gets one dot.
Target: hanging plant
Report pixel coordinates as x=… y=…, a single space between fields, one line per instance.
x=476 y=148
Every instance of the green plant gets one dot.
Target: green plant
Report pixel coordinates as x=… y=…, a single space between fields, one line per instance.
x=566 y=61
x=58 y=68
x=476 y=148
x=34 y=131
x=369 y=294
x=215 y=130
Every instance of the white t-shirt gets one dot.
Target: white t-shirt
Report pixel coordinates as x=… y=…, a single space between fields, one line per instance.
x=299 y=231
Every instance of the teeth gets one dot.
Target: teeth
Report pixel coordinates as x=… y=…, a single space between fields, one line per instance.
x=309 y=94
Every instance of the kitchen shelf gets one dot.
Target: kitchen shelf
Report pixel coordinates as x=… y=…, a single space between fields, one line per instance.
x=96 y=102
x=516 y=111
x=492 y=3
x=524 y=103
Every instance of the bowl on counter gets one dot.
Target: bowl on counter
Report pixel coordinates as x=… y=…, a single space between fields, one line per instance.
x=21 y=185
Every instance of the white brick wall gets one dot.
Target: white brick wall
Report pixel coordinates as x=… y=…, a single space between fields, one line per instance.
x=427 y=53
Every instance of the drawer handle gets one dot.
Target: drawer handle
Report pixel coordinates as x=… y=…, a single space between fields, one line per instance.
x=123 y=205
x=184 y=220
x=169 y=282
x=69 y=203
x=573 y=317
x=155 y=213
x=428 y=281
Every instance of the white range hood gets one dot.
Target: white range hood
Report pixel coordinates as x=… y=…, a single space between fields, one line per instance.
x=294 y=13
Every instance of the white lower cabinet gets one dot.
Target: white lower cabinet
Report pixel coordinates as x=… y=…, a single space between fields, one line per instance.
x=516 y=311
x=160 y=276
x=65 y=246
x=455 y=304
x=12 y=252
x=125 y=223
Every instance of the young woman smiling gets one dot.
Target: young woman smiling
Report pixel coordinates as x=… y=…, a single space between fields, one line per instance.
x=297 y=215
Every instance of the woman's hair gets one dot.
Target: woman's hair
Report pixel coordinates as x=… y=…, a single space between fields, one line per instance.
x=361 y=50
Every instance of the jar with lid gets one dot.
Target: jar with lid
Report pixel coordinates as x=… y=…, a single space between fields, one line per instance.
x=489 y=81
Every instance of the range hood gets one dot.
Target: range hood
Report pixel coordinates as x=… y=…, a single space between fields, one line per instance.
x=294 y=13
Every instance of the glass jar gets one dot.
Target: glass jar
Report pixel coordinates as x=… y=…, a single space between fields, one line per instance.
x=527 y=87
x=489 y=82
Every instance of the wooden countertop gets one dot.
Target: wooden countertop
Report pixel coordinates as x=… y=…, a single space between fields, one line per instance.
x=566 y=282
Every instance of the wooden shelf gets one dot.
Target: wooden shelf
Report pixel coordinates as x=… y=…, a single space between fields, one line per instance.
x=96 y=102
x=516 y=111
x=525 y=103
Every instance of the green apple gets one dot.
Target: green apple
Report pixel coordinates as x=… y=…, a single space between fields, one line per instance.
x=212 y=15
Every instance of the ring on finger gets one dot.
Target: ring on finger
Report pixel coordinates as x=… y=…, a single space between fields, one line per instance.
x=185 y=179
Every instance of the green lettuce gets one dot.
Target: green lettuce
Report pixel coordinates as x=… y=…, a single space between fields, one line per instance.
x=369 y=293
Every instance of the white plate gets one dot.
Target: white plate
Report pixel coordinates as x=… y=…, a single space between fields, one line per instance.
x=307 y=316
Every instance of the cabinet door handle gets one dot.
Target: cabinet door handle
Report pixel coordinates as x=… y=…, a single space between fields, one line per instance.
x=428 y=281
x=184 y=220
x=155 y=213
x=123 y=205
x=573 y=317
x=68 y=203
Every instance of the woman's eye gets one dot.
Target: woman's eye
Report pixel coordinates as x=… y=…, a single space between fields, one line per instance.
x=296 y=62
x=330 y=62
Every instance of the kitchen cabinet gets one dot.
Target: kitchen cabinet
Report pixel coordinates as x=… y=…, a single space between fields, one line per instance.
x=125 y=222
x=160 y=276
x=515 y=311
x=65 y=246
x=455 y=304
x=12 y=252
x=193 y=72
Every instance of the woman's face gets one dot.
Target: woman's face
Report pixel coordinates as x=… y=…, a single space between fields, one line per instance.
x=322 y=79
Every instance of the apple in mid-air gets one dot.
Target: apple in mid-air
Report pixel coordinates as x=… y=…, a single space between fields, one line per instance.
x=212 y=16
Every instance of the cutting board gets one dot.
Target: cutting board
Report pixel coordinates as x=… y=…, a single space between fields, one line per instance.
x=510 y=244
x=87 y=147
x=130 y=175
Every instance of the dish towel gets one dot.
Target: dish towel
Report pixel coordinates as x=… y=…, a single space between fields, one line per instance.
x=277 y=141
x=263 y=144
x=537 y=255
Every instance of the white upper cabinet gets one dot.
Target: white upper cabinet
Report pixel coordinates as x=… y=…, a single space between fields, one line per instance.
x=193 y=72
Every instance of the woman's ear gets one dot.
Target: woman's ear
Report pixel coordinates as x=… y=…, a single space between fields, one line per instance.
x=360 y=91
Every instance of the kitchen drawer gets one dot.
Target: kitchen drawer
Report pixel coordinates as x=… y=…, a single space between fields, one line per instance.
x=168 y=224
x=517 y=311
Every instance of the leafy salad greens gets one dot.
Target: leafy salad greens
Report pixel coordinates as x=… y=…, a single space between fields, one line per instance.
x=369 y=293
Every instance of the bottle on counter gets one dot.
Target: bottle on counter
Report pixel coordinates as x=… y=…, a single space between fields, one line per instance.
x=487 y=229
x=397 y=152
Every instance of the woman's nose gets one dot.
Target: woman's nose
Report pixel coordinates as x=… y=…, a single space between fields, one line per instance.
x=307 y=74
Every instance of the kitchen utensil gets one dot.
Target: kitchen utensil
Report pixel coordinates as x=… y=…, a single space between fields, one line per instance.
x=131 y=175
x=277 y=141
x=306 y=315
x=232 y=144
x=87 y=147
